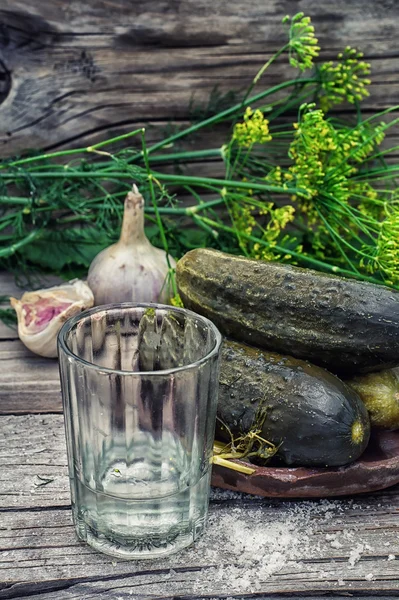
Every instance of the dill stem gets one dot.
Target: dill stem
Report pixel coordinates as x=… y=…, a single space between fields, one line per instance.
x=30 y=159
x=223 y=114
x=188 y=179
x=187 y=155
x=5 y=252
x=262 y=70
x=167 y=210
x=157 y=215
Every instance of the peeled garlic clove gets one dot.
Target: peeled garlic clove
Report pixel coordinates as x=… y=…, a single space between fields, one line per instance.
x=41 y=314
x=132 y=270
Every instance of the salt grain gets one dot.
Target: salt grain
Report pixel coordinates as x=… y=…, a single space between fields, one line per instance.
x=333 y=539
x=391 y=557
x=355 y=555
x=369 y=577
x=253 y=544
x=250 y=540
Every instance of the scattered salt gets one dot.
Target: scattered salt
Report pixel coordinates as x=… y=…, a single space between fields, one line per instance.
x=248 y=541
x=369 y=577
x=391 y=557
x=333 y=539
x=248 y=545
x=355 y=555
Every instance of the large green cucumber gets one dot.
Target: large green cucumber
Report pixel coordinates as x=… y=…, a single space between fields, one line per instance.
x=312 y=415
x=344 y=325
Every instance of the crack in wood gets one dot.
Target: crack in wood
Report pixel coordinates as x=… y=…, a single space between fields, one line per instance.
x=27 y=589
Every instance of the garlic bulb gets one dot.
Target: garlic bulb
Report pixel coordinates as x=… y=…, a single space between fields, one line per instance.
x=41 y=314
x=132 y=270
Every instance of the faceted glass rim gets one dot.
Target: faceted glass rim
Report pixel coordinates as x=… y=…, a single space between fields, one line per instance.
x=72 y=321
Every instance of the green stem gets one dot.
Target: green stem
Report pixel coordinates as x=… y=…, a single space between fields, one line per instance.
x=14 y=200
x=5 y=252
x=347 y=210
x=338 y=240
x=188 y=210
x=157 y=215
x=353 y=152
x=226 y=183
x=262 y=70
x=222 y=115
x=31 y=159
x=388 y=169
x=188 y=155
x=383 y=153
x=183 y=179
x=200 y=222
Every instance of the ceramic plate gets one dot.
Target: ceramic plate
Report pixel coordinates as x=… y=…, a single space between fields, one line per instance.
x=378 y=468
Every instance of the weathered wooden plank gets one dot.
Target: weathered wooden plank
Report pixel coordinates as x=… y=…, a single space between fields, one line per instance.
x=33 y=451
x=264 y=548
x=252 y=545
x=71 y=68
x=28 y=383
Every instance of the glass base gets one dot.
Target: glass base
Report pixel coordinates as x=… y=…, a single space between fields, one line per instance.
x=146 y=528
x=145 y=546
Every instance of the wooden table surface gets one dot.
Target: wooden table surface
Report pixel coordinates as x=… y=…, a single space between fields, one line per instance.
x=253 y=547
x=71 y=73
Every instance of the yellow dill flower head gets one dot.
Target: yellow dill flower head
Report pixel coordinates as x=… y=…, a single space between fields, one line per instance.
x=253 y=130
x=344 y=80
x=244 y=221
x=303 y=46
x=312 y=138
x=386 y=256
x=177 y=301
x=275 y=176
x=282 y=215
x=365 y=139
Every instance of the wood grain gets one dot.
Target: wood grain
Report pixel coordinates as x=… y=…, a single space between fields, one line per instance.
x=39 y=553
x=29 y=383
x=71 y=71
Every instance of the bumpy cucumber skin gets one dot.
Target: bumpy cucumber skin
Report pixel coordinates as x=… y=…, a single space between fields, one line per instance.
x=380 y=394
x=341 y=324
x=309 y=411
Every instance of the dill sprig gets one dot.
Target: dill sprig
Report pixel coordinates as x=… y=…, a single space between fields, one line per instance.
x=309 y=189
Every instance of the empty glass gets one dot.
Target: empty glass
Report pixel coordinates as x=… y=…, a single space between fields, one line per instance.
x=139 y=386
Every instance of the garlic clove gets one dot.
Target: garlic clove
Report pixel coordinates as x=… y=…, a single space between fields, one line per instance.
x=132 y=270
x=42 y=313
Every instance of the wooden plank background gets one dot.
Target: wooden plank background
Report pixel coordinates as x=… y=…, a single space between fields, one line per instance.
x=73 y=72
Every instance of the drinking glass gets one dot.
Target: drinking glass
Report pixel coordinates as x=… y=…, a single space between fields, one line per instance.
x=139 y=385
